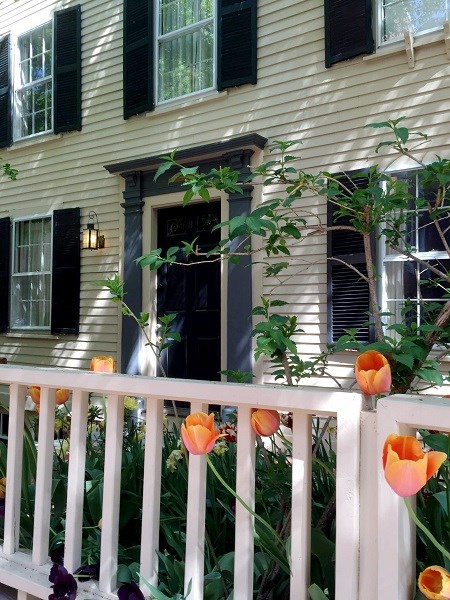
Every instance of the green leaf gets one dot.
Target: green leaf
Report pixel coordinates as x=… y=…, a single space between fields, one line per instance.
x=123 y=574
x=315 y=593
x=165 y=166
x=404 y=359
x=292 y=230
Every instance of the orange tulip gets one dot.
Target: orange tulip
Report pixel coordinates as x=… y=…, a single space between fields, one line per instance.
x=35 y=393
x=265 y=422
x=373 y=373
x=62 y=395
x=103 y=364
x=434 y=583
x=199 y=435
x=407 y=467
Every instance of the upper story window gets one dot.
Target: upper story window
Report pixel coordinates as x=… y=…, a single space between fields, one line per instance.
x=180 y=49
x=33 y=98
x=31 y=274
x=185 y=48
x=416 y=16
x=40 y=77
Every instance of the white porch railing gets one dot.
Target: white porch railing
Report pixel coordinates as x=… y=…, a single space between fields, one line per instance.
x=356 y=483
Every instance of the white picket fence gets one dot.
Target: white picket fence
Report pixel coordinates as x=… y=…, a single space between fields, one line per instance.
x=361 y=518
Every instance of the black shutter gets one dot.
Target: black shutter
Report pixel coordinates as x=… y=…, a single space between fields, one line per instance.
x=5 y=249
x=137 y=57
x=5 y=93
x=236 y=43
x=348 y=29
x=348 y=293
x=67 y=70
x=66 y=272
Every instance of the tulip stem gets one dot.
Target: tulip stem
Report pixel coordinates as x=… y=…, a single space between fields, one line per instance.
x=426 y=531
x=244 y=504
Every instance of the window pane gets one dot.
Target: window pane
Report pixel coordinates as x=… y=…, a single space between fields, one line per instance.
x=411 y=15
x=33 y=95
x=175 y=14
x=186 y=64
x=31 y=293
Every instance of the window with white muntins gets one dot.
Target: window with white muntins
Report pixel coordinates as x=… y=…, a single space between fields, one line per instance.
x=404 y=278
x=34 y=82
x=31 y=273
x=185 y=48
x=415 y=16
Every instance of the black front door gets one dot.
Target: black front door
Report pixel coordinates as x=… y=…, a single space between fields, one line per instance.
x=192 y=292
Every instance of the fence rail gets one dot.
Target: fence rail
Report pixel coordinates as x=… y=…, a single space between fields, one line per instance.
x=356 y=568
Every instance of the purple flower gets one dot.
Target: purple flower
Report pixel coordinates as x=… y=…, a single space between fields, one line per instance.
x=57 y=555
x=64 y=585
x=130 y=591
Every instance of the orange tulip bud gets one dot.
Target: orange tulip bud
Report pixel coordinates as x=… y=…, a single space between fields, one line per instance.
x=265 y=422
x=198 y=433
x=407 y=467
x=35 y=393
x=62 y=395
x=103 y=364
x=434 y=583
x=373 y=373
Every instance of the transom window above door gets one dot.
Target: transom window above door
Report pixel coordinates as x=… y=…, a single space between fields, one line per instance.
x=185 y=48
x=416 y=16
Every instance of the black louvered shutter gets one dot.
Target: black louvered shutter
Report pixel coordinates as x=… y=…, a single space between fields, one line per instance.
x=5 y=265
x=67 y=70
x=66 y=272
x=5 y=93
x=348 y=29
x=348 y=293
x=236 y=43
x=137 y=57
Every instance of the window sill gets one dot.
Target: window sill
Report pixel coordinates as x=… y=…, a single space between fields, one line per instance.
x=39 y=139
x=34 y=335
x=187 y=103
x=399 y=47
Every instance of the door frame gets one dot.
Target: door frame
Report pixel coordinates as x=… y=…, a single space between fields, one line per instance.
x=149 y=278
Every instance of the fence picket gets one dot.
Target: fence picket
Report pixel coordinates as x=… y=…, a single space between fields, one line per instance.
x=245 y=489
x=42 y=506
x=75 y=484
x=347 y=502
x=111 y=493
x=14 y=467
x=152 y=491
x=195 y=528
x=301 y=505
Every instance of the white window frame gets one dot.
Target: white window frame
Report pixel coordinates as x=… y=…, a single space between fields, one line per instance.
x=17 y=87
x=14 y=276
x=385 y=259
x=379 y=20
x=173 y=35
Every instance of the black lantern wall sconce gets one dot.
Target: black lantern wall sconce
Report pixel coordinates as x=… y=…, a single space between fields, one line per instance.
x=92 y=240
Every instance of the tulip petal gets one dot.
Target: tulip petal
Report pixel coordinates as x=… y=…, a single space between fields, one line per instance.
x=406 y=477
x=435 y=460
x=373 y=373
x=405 y=446
x=434 y=583
x=382 y=380
x=198 y=439
x=265 y=422
x=201 y=418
